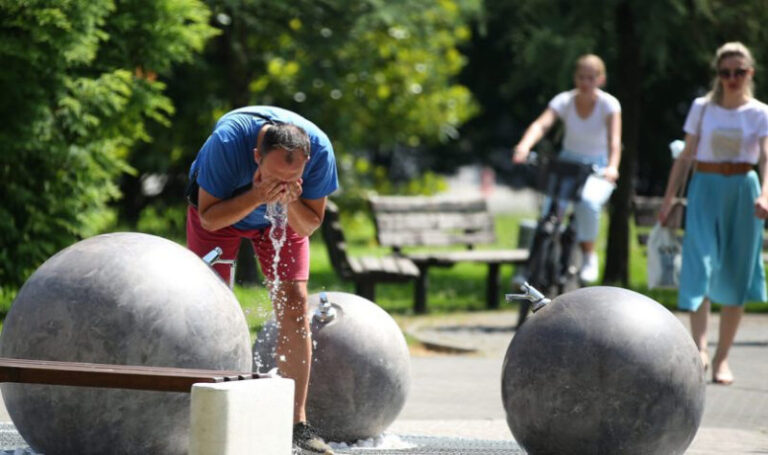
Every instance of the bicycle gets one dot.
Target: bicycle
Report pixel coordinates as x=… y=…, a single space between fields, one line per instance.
x=554 y=259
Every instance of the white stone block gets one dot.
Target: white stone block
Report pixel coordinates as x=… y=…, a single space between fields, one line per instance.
x=250 y=417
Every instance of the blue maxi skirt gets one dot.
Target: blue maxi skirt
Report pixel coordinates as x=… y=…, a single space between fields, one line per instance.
x=723 y=242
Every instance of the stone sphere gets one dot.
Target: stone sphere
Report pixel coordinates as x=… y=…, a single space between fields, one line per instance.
x=603 y=370
x=123 y=299
x=360 y=368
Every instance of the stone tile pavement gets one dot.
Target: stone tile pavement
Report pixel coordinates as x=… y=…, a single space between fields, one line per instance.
x=458 y=393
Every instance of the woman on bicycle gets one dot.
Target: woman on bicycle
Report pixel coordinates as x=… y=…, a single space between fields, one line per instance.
x=726 y=136
x=592 y=120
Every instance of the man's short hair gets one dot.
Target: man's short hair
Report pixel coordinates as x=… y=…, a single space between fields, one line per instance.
x=286 y=136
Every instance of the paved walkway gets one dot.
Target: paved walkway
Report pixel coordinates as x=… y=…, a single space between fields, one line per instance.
x=459 y=394
x=456 y=396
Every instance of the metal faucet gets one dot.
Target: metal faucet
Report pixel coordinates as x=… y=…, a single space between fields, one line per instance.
x=325 y=311
x=214 y=257
x=531 y=294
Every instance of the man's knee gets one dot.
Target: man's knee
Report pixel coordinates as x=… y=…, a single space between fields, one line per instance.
x=294 y=307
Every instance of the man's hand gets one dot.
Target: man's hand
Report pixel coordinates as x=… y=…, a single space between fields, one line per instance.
x=292 y=192
x=761 y=207
x=266 y=189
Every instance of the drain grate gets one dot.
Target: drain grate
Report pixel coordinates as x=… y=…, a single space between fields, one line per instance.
x=12 y=444
x=428 y=445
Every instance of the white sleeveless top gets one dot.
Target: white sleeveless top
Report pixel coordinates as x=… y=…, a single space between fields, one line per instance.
x=728 y=134
x=585 y=136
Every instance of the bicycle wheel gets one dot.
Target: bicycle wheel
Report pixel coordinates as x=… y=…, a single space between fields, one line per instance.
x=570 y=260
x=543 y=265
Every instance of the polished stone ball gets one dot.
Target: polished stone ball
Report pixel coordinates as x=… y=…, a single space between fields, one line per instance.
x=603 y=370
x=123 y=299
x=360 y=369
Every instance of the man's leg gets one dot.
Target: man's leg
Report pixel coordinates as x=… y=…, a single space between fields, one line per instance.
x=293 y=350
x=201 y=242
x=289 y=300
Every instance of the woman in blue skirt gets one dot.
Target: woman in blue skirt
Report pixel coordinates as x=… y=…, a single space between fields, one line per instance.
x=726 y=137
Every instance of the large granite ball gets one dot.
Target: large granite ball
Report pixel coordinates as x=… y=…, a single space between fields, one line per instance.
x=124 y=299
x=603 y=370
x=360 y=368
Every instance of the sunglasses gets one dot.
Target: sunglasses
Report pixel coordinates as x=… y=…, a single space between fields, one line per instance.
x=727 y=74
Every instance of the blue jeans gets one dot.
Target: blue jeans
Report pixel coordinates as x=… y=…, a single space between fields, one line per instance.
x=587 y=212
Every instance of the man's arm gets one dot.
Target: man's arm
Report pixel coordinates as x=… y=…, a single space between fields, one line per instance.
x=306 y=215
x=218 y=213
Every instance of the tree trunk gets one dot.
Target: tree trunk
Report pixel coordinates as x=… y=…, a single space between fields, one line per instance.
x=629 y=92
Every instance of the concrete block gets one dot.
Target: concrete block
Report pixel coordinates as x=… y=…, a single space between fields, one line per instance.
x=242 y=417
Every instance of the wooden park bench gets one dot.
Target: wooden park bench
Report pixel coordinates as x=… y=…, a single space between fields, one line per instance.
x=223 y=418
x=365 y=272
x=417 y=221
x=80 y=374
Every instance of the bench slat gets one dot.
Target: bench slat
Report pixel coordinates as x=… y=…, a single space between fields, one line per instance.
x=384 y=204
x=516 y=256
x=433 y=238
x=434 y=221
x=388 y=264
x=111 y=376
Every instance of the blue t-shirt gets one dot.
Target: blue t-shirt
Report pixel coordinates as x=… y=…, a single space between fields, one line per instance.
x=226 y=162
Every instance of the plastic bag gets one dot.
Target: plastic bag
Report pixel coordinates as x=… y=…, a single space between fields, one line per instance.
x=664 y=258
x=597 y=189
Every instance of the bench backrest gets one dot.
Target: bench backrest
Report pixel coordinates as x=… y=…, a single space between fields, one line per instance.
x=431 y=221
x=333 y=236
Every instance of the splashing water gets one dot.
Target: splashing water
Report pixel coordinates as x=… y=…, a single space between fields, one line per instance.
x=382 y=442
x=278 y=218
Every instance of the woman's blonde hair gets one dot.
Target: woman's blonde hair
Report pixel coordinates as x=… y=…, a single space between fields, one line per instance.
x=591 y=61
x=732 y=49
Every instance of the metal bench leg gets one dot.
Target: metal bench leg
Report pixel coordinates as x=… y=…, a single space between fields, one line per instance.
x=492 y=287
x=366 y=290
x=420 y=291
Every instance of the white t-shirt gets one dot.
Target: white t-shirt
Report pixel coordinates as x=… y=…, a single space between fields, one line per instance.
x=728 y=134
x=585 y=136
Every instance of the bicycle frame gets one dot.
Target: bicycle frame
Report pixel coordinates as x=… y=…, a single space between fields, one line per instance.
x=550 y=266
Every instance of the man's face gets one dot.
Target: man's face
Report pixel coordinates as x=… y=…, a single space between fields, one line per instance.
x=275 y=165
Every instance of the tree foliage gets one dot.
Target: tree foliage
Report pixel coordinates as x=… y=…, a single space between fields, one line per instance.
x=377 y=76
x=79 y=91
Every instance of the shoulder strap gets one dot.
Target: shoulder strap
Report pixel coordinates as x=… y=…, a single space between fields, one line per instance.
x=681 y=189
x=701 y=119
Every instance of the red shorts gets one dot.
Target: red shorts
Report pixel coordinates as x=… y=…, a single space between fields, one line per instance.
x=294 y=255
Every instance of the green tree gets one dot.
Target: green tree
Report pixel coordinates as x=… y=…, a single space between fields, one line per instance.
x=80 y=88
x=377 y=76
x=657 y=53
